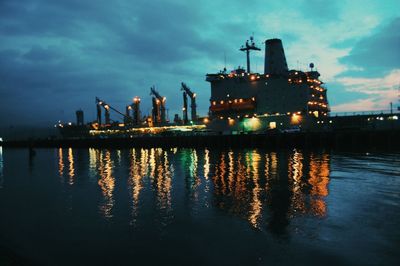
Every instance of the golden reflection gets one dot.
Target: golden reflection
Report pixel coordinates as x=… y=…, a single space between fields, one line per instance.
x=71 y=172
x=152 y=162
x=237 y=187
x=167 y=184
x=270 y=171
x=206 y=176
x=267 y=172
x=206 y=163
x=107 y=184
x=93 y=161
x=135 y=182
x=319 y=179
x=144 y=161
x=295 y=173
x=60 y=163
x=231 y=171
x=274 y=164
x=163 y=183
x=240 y=190
x=264 y=189
x=218 y=179
x=248 y=183
x=255 y=205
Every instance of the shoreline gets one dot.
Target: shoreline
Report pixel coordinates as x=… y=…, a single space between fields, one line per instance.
x=387 y=139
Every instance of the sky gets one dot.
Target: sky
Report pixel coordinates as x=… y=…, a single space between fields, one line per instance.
x=57 y=56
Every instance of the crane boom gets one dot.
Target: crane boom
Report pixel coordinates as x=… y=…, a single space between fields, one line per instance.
x=107 y=112
x=104 y=104
x=156 y=94
x=193 y=105
x=158 y=106
x=187 y=90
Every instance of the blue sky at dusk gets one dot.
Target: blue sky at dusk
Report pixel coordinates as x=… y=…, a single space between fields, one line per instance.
x=57 y=56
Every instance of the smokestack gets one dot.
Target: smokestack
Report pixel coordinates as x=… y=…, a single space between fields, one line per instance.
x=79 y=118
x=275 y=60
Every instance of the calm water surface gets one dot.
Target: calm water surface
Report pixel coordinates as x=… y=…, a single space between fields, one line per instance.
x=198 y=207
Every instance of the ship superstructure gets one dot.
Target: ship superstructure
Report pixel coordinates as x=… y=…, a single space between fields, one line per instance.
x=278 y=91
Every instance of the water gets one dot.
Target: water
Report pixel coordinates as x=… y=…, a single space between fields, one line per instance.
x=198 y=207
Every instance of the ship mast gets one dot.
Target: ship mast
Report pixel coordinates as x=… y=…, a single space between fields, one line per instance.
x=247 y=47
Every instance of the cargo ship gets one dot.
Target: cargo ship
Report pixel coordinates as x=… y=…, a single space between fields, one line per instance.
x=242 y=102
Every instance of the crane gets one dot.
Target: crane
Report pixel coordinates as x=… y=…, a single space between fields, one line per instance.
x=186 y=91
x=128 y=118
x=136 y=110
x=184 y=109
x=98 y=107
x=135 y=107
x=247 y=47
x=158 y=106
x=107 y=107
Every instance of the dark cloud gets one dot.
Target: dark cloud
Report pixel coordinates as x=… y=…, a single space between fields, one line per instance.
x=56 y=56
x=38 y=54
x=36 y=18
x=377 y=54
x=64 y=53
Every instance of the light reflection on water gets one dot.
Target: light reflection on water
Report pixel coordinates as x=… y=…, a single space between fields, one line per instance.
x=71 y=173
x=106 y=183
x=66 y=165
x=135 y=182
x=319 y=180
x=191 y=199
x=60 y=164
x=263 y=188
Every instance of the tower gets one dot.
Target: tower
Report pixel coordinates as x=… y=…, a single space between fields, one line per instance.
x=79 y=118
x=275 y=60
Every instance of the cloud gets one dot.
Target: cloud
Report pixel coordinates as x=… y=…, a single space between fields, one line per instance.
x=376 y=54
x=56 y=56
x=39 y=54
x=359 y=105
x=59 y=55
x=380 y=91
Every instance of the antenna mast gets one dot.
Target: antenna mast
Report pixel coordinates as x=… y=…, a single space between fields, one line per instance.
x=247 y=47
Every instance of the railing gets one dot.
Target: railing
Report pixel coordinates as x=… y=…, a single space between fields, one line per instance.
x=375 y=112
